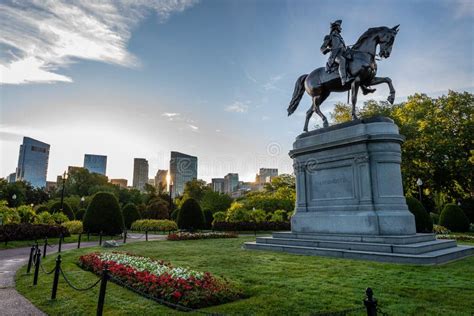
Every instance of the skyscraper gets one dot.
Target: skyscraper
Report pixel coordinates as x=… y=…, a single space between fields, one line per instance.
x=95 y=163
x=11 y=177
x=33 y=162
x=266 y=174
x=231 y=183
x=120 y=182
x=140 y=173
x=160 y=179
x=217 y=185
x=183 y=168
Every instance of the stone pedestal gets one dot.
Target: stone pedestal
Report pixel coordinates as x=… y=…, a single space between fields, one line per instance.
x=348 y=180
x=350 y=202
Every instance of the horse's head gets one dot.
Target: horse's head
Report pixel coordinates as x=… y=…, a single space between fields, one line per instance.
x=386 y=39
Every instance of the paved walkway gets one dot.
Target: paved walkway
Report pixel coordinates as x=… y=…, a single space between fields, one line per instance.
x=12 y=302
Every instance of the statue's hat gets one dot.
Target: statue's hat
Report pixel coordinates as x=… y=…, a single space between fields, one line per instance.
x=336 y=23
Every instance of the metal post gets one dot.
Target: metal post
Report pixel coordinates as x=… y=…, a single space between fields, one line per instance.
x=60 y=242
x=103 y=287
x=146 y=235
x=45 y=245
x=370 y=302
x=100 y=238
x=56 y=277
x=125 y=236
x=37 y=266
x=30 y=260
x=79 y=241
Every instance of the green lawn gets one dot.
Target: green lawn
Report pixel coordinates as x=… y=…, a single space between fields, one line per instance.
x=275 y=283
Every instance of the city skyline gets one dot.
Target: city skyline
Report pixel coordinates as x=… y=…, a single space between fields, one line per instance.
x=120 y=90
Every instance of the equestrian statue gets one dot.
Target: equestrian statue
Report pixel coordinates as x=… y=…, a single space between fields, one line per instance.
x=346 y=69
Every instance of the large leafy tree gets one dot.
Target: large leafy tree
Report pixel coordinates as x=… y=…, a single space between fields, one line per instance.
x=215 y=201
x=438 y=148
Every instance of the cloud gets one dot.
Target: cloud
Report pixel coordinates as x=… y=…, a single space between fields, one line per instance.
x=270 y=85
x=193 y=127
x=170 y=114
x=237 y=107
x=463 y=8
x=39 y=37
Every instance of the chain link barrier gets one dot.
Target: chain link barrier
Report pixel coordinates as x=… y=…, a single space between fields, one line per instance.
x=76 y=288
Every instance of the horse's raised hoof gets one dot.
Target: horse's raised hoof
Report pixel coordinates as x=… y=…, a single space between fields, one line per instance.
x=391 y=99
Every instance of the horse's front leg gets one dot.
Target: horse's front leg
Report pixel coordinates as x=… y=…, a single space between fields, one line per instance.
x=388 y=81
x=354 y=90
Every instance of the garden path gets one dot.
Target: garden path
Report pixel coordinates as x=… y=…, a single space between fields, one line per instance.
x=12 y=302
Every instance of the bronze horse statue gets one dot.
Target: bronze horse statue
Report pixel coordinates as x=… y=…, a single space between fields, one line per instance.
x=362 y=69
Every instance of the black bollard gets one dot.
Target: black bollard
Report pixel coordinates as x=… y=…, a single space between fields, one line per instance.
x=125 y=236
x=37 y=266
x=56 y=277
x=60 y=242
x=79 y=241
x=30 y=260
x=370 y=302
x=146 y=235
x=100 y=239
x=44 y=247
x=103 y=287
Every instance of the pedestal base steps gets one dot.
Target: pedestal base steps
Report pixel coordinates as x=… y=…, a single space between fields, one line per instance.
x=410 y=249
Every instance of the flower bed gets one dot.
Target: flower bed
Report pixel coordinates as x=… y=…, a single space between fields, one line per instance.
x=193 y=236
x=161 y=280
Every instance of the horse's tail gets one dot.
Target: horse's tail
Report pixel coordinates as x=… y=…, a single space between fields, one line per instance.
x=297 y=94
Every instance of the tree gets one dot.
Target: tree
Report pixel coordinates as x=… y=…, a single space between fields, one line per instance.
x=195 y=189
x=215 y=201
x=103 y=215
x=157 y=209
x=190 y=215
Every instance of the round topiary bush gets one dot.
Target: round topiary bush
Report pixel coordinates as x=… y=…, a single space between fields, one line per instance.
x=130 y=214
x=423 y=221
x=103 y=215
x=80 y=214
x=190 y=215
x=453 y=218
x=67 y=210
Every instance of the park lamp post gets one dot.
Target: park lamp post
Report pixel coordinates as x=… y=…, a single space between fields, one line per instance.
x=82 y=201
x=62 y=192
x=14 y=200
x=419 y=183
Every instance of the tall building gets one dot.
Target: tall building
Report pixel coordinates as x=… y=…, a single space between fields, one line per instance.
x=265 y=175
x=160 y=179
x=71 y=169
x=217 y=185
x=120 y=182
x=11 y=177
x=95 y=163
x=183 y=168
x=231 y=183
x=33 y=162
x=140 y=173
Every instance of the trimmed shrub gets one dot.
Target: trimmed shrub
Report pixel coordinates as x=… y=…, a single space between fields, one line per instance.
x=251 y=226
x=258 y=216
x=80 y=214
x=157 y=209
x=103 y=215
x=67 y=210
x=219 y=217
x=278 y=216
x=208 y=218
x=237 y=213
x=41 y=208
x=44 y=218
x=423 y=221
x=154 y=225
x=190 y=215
x=453 y=218
x=74 y=227
x=60 y=218
x=434 y=218
x=195 y=236
x=130 y=214
x=26 y=231
x=174 y=215
x=9 y=215
x=467 y=206
x=27 y=214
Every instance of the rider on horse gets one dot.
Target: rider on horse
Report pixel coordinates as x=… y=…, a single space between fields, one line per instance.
x=334 y=43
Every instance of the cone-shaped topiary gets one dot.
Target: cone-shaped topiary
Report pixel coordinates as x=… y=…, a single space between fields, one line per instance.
x=174 y=215
x=130 y=214
x=423 y=221
x=103 y=215
x=80 y=214
x=208 y=218
x=67 y=210
x=190 y=215
x=453 y=218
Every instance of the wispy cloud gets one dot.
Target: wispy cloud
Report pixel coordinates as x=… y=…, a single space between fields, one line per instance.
x=271 y=83
x=193 y=127
x=170 y=114
x=237 y=107
x=40 y=37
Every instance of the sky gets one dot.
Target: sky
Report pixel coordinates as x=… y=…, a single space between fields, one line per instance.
x=210 y=78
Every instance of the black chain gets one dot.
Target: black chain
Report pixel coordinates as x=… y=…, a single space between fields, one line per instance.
x=160 y=301
x=44 y=271
x=76 y=288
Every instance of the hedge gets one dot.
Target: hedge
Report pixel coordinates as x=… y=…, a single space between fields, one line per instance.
x=74 y=227
x=26 y=231
x=251 y=226
x=190 y=215
x=453 y=218
x=154 y=225
x=423 y=221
